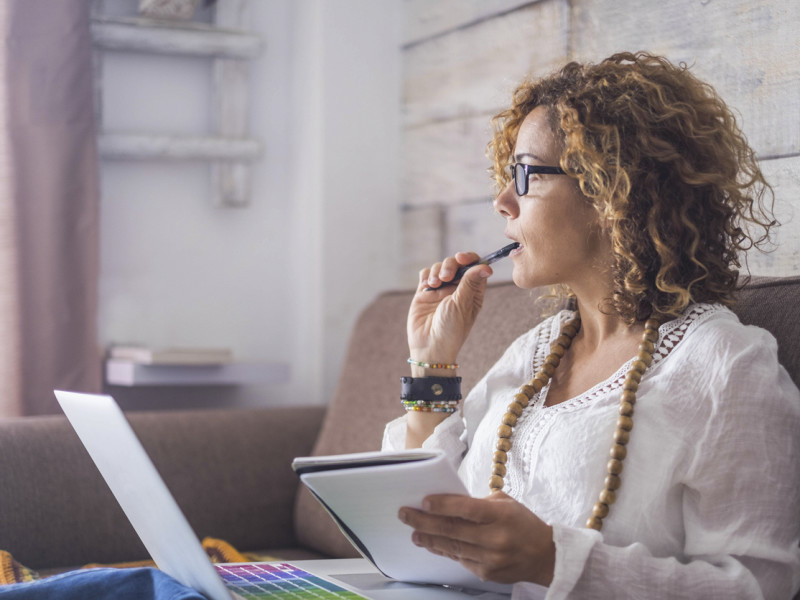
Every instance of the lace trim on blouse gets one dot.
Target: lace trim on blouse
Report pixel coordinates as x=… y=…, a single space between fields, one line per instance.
x=536 y=417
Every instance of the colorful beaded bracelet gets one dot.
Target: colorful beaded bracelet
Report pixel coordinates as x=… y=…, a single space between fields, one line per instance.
x=425 y=365
x=444 y=409
x=430 y=402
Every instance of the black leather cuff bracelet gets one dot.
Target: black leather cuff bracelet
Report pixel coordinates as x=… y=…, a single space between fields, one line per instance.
x=431 y=389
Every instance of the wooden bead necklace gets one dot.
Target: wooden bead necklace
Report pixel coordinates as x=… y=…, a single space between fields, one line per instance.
x=644 y=359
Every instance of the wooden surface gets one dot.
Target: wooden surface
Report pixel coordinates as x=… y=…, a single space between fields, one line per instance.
x=473 y=70
x=425 y=19
x=462 y=58
x=749 y=50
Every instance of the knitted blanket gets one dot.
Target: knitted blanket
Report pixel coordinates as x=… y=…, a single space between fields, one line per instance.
x=218 y=551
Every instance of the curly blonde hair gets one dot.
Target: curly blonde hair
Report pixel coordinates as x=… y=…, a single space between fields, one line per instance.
x=663 y=161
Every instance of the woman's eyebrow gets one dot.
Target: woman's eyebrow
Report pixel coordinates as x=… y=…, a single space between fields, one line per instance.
x=518 y=157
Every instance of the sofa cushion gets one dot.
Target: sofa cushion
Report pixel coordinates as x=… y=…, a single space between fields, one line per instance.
x=229 y=471
x=772 y=303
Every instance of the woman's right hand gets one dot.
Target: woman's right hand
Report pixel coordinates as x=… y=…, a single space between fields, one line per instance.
x=440 y=320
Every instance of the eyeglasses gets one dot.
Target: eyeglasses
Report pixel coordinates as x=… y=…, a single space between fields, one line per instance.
x=523 y=172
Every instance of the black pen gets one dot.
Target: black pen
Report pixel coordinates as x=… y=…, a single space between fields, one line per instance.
x=486 y=260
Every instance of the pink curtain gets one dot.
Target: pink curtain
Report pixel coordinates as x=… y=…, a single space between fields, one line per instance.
x=48 y=205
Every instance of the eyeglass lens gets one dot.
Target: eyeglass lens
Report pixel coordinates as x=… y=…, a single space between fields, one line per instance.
x=520 y=179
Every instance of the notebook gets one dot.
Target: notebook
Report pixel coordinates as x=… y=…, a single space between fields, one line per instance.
x=173 y=545
x=387 y=481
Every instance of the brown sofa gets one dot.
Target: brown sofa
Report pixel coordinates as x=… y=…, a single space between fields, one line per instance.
x=229 y=469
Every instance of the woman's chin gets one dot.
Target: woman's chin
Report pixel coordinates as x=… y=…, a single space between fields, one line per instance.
x=523 y=281
x=530 y=278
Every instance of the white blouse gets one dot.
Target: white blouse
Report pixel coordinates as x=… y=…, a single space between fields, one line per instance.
x=710 y=500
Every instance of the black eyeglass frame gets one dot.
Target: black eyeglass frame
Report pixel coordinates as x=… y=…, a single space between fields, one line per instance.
x=522 y=173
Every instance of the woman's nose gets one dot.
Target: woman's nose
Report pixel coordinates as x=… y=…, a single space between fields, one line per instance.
x=506 y=202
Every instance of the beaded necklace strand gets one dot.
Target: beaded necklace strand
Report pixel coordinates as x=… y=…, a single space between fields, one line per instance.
x=618 y=451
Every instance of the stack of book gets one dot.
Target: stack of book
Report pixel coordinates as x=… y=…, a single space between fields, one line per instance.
x=130 y=365
x=144 y=355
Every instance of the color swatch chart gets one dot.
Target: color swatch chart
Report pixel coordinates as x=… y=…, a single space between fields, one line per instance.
x=280 y=581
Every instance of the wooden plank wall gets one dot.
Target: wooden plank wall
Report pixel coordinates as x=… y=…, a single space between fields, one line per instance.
x=462 y=58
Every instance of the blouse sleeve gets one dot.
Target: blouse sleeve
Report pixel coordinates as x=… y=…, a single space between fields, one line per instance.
x=447 y=436
x=741 y=497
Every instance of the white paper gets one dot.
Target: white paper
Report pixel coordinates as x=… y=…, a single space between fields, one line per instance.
x=367 y=501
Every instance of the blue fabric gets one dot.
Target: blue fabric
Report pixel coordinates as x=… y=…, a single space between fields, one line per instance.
x=100 y=584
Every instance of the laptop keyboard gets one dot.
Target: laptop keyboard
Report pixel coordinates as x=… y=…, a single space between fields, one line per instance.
x=280 y=581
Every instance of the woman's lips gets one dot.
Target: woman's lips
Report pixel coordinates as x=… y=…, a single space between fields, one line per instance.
x=518 y=250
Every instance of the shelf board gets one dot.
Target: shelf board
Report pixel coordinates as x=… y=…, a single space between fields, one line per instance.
x=134 y=146
x=146 y=35
x=128 y=373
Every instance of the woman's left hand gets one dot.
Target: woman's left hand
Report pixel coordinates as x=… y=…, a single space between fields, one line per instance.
x=496 y=537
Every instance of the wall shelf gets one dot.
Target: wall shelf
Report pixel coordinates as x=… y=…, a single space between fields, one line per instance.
x=129 y=374
x=228 y=149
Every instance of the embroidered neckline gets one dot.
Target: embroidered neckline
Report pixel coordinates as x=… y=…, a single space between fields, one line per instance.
x=535 y=418
x=670 y=335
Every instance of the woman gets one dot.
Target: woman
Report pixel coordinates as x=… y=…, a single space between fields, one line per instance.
x=629 y=186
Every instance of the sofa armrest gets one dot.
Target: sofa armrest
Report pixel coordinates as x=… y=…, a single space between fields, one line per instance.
x=229 y=471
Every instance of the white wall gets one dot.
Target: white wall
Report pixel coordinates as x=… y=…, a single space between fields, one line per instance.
x=283 y=279
x=347 y=92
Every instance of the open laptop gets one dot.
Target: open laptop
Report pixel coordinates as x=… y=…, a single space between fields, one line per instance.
x=173 y=545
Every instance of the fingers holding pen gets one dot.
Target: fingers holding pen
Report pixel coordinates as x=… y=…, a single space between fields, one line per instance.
x=451 y=264
x=446 y=271
x=429 y=277
x=442 y=313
